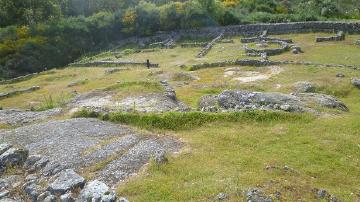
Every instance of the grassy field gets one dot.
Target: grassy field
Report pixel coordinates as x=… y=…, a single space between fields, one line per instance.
x=229 y=153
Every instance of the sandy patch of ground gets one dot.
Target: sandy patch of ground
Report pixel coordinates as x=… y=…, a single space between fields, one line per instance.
x=237 y=74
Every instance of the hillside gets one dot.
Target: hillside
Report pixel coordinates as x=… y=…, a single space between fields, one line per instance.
x=210 y=118
x=46 y=34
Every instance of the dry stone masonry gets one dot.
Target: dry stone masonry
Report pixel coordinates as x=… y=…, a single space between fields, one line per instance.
x=169 y=43
x=208 y=47
x=19 y=91
x=112 y=63
x=340 y=36
x=284 y=47
x=259 y=63
x=193 y=45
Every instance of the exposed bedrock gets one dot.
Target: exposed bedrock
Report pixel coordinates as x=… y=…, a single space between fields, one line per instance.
x=238 y=100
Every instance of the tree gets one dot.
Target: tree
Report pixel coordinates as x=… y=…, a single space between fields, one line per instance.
x=25 y=12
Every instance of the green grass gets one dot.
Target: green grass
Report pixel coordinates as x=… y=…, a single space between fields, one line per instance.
x=231 y=157
x=188 y=120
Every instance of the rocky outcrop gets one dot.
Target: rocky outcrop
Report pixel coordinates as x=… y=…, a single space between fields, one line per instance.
x=19 y=91
x=17 y=117
x=65 y=186
x=81 y=143
x=12 y=157
x=323 y=194
x=304 y=87
x=356 y=82
x=257 y=195
x=97 y=191
x=340 y=36
x=238 y=100
x=101 y=101
x=65 y=181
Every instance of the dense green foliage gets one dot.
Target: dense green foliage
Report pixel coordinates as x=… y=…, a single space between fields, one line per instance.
x=42 y=34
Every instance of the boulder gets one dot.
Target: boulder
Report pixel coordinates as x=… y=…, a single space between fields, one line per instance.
x=68 y=197
x=4 y=193
x=13 y=157
x=66 y=180
x=304 y=87
x=50 y=198
x=4 y=147
x=31 y=160
x=97 y=191
x=43 y=196
x=32 y=190
x=340 y=75
x=257 y=195
x=41 y=163
x=10 y=182
x=122 y=199
x=222 y=197
x=356 y=82
x=52 y=168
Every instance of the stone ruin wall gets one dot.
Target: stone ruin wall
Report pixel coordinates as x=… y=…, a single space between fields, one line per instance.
x=277 y=28
x=248 y=30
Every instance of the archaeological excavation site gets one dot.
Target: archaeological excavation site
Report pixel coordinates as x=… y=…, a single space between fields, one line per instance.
x=256 y=112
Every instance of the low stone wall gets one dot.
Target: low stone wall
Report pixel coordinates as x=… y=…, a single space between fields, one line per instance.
x=208 y=47
x=169 y=90
x=245 y=62
x=259 y=63
x=340 y=36
x=284 y=47
x=226 y=41
x=20 y=91
x=24 y=78
x=193 y=45
x=277 y=28
x=169 y=43
x=111 y=63
x=261 y=38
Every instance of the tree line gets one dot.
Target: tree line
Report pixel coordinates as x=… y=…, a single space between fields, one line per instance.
x=42 y=34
